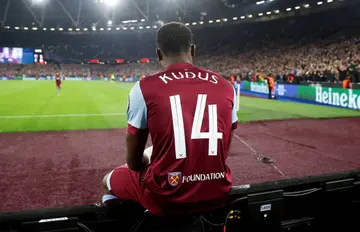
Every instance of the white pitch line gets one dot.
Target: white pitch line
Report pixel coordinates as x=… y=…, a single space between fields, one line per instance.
x=61 y=115
x=246 y=144
x=257 y=154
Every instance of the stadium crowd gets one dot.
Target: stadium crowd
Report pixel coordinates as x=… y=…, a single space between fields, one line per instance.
x=315 y=48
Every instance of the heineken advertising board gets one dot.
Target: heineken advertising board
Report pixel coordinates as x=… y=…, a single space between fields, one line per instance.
x=29 y=79
x=345 y=98
x=259 y=88
x=283 y=90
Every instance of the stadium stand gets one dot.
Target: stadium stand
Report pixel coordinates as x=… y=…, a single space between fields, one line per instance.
x=315 y=48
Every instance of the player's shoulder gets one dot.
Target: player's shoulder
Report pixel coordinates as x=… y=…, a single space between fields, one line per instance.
x=220 y=78
x=152 y=76
x=149 y=81
x=136 y=91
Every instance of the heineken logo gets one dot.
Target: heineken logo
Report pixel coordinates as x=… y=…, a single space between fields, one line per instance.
x=258 y=88
x=29 y=79
x=345 y=98
x=74 y=79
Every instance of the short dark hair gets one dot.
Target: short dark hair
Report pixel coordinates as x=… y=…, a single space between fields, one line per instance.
x=174 y=38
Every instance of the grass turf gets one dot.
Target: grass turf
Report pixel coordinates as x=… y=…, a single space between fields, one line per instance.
x=32 y=106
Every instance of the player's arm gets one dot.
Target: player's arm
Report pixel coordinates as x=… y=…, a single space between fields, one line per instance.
x=137 y=132
x=234 y=112
x=234 y=117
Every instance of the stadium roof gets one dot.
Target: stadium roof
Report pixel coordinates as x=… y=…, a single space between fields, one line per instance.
x=60 y=14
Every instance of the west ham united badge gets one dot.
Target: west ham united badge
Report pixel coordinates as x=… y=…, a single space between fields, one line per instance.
x=174 y=178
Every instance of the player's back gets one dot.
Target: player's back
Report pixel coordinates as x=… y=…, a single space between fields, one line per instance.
x=190 y=117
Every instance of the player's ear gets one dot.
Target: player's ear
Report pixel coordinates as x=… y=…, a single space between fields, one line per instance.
x=192 y=49
x=159 y=54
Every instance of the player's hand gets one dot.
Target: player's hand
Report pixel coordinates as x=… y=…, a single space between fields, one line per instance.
x=147 y=155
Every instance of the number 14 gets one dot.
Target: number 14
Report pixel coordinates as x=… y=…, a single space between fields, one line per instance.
x=178 y=124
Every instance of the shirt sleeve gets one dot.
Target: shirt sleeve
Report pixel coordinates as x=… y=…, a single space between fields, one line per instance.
x=136 y=110
x=234 y=113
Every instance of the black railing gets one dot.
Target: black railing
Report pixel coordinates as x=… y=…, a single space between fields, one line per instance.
x=316 y=203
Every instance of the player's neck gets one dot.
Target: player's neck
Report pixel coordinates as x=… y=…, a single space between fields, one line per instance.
x=176 y=60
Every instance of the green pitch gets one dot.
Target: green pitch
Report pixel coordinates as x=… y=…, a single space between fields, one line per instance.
x=34 y=106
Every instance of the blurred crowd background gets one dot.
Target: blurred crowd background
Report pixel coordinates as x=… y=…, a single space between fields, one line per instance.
x=321 y=47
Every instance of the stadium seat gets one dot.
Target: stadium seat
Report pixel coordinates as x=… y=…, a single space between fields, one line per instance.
x=119 y=205
x=145 y=221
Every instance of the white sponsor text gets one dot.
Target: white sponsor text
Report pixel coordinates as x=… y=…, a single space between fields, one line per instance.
x=203 y=177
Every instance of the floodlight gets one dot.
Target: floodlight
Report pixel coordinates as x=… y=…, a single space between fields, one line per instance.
x=211 y=21
x=109 y=22
x=260 y=2
x=194 y=23
x=235 y=18
x=201 y=22
x=148 y=27
x=218 y=20
x=118 y=28
x=17 y=28
x=260 y=14
x=242 y=17
x=288 y=9
x=85 y=29
x=26 y=28
x=38 y=2
x=268 y=13
x=61 y=29
x=186 y=24
x=297 y=7
x=329 y=1
x=319 y=3
x=77 y=29
x=70 y=29
x=277 y=11
x=109 y=2
x=225 y=20
x=101 y=29
x=140 y=28
x=142 y=20
x=306 y=5
x=250 y=16
x=35 y=28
